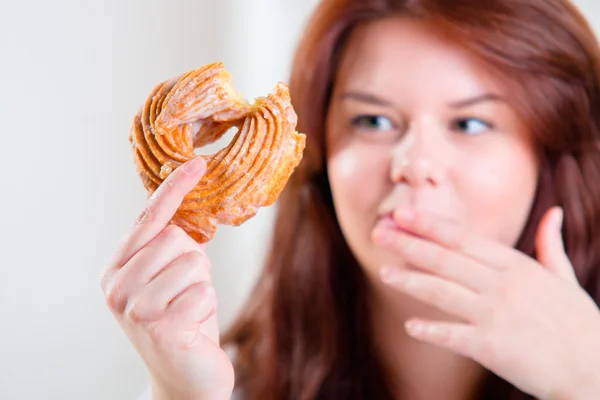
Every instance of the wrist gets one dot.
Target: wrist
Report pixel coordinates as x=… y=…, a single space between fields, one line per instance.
x=161 y=392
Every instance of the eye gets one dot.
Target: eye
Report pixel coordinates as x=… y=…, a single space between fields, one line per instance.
x=372 y=123
x=471 y=126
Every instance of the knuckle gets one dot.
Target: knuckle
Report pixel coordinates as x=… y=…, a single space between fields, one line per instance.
x=504 y=291
x=452 y=339
x=198 y=261
x=488 y=312
x=461 y=343
x=439 y=294
x=161 y=334
x=196 y=258
x=156 y=194
x=115 y=298
x=105 y=279
x=173 y=233
x=207 y=263
x=210 y=294
x=147 y=215
x=204 y=297
x=168 y=182
x=499 y=287
x=489 y=347
x=203 y=293
x=134 y=312
x=198 y=265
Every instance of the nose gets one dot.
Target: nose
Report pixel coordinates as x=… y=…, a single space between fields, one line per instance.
x=417 y=161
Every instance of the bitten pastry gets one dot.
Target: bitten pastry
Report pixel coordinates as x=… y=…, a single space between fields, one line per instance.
x=196 y=109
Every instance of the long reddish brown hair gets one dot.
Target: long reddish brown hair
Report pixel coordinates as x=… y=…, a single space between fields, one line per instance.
x=302 y=335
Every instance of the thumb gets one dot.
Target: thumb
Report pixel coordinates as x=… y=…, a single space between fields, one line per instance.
x=549 y=245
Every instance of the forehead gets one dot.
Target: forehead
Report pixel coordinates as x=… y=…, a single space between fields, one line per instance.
x=399 y=56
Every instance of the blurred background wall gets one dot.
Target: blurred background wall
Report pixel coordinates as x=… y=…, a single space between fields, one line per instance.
x=72 y=75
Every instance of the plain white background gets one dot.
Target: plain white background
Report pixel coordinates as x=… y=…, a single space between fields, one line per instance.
x=72 y=75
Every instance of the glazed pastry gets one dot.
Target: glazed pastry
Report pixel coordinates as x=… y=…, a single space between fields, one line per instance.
x=197 y=108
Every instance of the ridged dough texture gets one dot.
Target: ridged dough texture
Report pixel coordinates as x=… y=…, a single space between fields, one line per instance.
x=196 y=109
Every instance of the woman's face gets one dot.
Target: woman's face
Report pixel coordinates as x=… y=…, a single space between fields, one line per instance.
x=416 y=122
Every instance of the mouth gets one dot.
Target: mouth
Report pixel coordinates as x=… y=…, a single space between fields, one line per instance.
x=386 y=221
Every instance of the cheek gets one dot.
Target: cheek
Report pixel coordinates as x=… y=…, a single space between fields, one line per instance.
x=345 y=174
x=344 y=165
x=357 y=181
x=498 y=192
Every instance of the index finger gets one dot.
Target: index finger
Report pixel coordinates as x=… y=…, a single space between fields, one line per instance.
x=160 y=209
x=454 y=236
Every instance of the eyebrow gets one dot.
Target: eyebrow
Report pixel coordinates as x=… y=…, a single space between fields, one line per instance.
x=372 y=99
x=477 y=99
x=366 y=98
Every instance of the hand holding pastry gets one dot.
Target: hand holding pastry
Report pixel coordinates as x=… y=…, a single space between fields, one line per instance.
x=159 y=288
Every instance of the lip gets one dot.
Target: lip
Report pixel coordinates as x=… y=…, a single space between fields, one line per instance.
x=386 y=221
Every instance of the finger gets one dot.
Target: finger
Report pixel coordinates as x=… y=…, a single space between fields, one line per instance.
x=195 y=305
x=442 y=294
x=182 y=323
x=171 y=243
x=550 y=248
x=166 y=247
x=458 y=337
x=152 y=303
x=433 y=258
x=450 y=234
x=161 y=208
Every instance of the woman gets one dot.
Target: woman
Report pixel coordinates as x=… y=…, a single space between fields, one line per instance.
x=440 y=239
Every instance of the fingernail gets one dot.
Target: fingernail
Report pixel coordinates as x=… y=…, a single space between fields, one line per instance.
x=194 y=165
x=404 y=216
